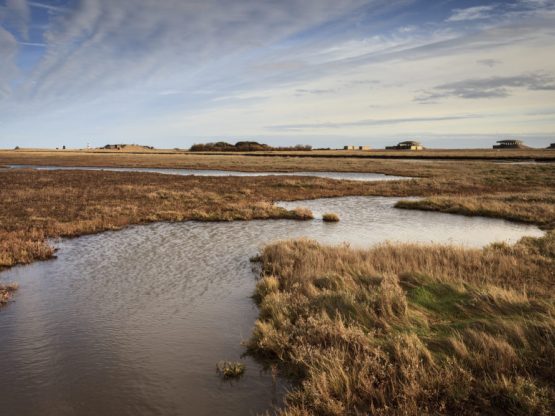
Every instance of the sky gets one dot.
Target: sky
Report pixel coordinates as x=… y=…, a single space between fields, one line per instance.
x=171 y=73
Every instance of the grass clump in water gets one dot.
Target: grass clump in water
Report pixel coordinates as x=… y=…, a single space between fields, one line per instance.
x=6 y=292
x=330 y=217
x=230 y=369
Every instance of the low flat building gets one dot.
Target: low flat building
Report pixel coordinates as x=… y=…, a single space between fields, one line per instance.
x=406 y=145
x=364 y=148
x=348 y=147
x=509 y=144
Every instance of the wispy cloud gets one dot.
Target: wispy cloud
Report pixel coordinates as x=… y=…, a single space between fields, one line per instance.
x=303 y=91
x=493 y=87
x=471 y=13
x=49 y=7
x=372 y=122
x=489 y=62
x=37 y=44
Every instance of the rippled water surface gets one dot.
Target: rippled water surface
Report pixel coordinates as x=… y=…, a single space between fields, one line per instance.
x=133 y=322
x=354 y=176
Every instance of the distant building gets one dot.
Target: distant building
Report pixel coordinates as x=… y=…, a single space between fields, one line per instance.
x=356 y=147
x=126 y=146
x=510 y=144
x=551 y=146
x=407 y=145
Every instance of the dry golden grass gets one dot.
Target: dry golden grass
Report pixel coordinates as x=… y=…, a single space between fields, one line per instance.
x=330 y=217
x=509 y=191
x=456 y=154
x=230 y=369
x=535 y=208
x=410 y=329
x=274 y=161
x=303 y=213
x=37 y=205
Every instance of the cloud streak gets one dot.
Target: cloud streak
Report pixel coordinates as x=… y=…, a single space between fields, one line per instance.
x=372 y=122
x=471 y=13
x=492 y=87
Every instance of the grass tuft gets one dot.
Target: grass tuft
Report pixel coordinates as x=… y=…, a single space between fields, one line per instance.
x=302 y=213
x=6 y=292
x=230 y=369
x=330 y=217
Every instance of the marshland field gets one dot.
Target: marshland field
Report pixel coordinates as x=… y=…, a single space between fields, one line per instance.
x=430 y=291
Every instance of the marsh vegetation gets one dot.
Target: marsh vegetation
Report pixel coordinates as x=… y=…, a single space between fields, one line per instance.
x=410 y=329
x=330 y=217
x=231 y=369
x=6 y=292
x=521 y=192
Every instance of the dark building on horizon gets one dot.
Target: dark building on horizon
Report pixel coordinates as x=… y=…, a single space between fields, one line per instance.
x=510 y=144
x=407 y=145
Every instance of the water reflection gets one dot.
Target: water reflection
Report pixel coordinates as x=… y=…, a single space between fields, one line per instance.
x=354 y=176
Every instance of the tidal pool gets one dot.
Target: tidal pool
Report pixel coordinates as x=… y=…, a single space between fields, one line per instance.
x=353 y=176
x=133 y=322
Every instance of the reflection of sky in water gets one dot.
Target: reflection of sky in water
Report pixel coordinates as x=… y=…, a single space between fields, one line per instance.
x=355 y=176
x=135 y=321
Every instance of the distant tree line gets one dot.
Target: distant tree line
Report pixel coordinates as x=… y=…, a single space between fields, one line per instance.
x=242 y=147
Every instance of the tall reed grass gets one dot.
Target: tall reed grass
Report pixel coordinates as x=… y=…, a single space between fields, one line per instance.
x=410 y=329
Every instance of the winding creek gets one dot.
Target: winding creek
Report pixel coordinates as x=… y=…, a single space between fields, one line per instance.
x=134 y=321
x=353 y=176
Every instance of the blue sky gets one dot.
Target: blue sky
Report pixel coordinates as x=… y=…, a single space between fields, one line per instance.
x=170 y=73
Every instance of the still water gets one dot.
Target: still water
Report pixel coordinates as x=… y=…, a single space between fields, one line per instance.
x=133 y=322
x=353 y=176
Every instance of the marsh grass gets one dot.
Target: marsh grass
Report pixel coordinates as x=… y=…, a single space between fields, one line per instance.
x=410 y=329
x=303 y=213
x=535 y=208
x=330 y=217
x=510 y=188
x=6 y=292
x=230 y=369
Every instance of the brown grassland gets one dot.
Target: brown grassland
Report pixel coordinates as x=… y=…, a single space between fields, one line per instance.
x=395 y=329
x=522 y=192
x=138 y=153
x=410 y=329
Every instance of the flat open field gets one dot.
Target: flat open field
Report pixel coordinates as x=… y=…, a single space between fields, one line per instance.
x=521 y=192
x=179 y=158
